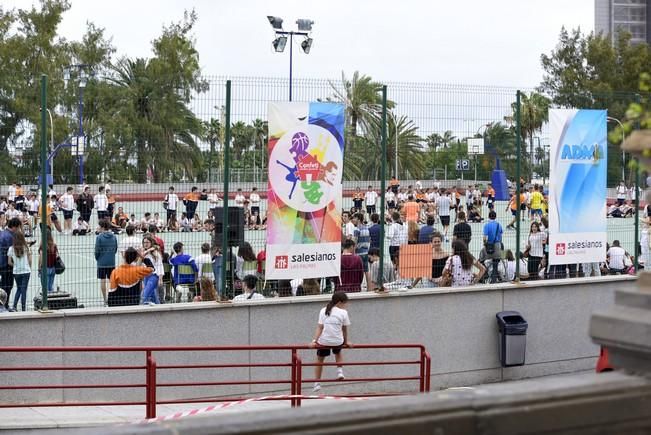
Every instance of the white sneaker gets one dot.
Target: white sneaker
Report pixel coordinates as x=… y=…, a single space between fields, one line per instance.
x=340 y=374
x=317 y=387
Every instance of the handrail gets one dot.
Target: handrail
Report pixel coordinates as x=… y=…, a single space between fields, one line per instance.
x=151 y=367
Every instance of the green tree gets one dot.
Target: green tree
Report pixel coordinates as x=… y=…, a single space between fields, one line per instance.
x=363 y=158
x=534 y=112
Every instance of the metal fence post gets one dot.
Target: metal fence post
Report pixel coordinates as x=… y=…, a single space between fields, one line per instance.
x=150 y=389
x=518 y=143
x=637 y=200
x=293 y=389
x=44 y=216
x=383 y=186
x=227 y=174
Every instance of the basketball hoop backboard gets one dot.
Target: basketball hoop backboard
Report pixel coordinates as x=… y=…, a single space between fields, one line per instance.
x=475 y=146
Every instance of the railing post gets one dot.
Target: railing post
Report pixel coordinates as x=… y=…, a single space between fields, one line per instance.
x=293 y=381
x=299 y=380
x=428 y=372
x=422 y=370
x=150 y=381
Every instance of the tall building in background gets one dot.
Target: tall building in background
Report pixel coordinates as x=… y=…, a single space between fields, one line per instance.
x=633 y=16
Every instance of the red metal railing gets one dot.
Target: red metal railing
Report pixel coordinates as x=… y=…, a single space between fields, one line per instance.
x=151 y=369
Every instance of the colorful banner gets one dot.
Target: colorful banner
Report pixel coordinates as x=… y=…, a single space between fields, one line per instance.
x=306 y=147
x=577 y=191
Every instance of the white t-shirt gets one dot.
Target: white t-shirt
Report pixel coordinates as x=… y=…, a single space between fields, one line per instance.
x=460 y=276
x=333 y=334
x=80 y=226
x=129 y=242
x=536 y=244
x=239 y=200
x=157 y=262
x=476 y=194
x=621 y=192
x=419 y=185
x=67 y=202
x=101 y=202
x=11 y=193
x=349 y=229
x=12 y=213
x=254 y=199
x=616 y=255
x=32 y=205
x=245 y=297
x=443 y=205
x=402 y=196
x=390 y=196
x=370 y=197
x=213 y=200
x=200 y=261
x=21 y=264
x=397 y=234
x=172 y=201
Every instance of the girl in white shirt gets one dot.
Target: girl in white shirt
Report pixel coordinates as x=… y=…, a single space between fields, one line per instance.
x=535 y=247
x=332 y=334
x=20 y=259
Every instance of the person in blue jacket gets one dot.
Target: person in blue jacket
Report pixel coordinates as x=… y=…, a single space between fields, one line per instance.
x=106 y=245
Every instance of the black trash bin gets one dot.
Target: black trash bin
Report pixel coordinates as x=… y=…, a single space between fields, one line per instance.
x=512 y=338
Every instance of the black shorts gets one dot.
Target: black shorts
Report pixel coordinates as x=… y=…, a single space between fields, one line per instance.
x=326 y=351
x=445 y=221
x=53 y=217
x=620 y=201
x=102 y=214
x=67 y=214
x=104 y=272
x=391 y=204
x=370 y=209
x=32 y=213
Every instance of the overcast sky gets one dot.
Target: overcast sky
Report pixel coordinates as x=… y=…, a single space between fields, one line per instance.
x=469 y=42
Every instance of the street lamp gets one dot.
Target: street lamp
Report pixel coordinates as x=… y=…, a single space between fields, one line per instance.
x=610 y=118
x=280 y=41
x=82 y=80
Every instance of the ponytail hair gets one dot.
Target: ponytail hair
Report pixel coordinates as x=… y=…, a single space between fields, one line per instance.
x=336 y=298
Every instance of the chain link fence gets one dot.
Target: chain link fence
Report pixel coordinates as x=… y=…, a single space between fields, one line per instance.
x=169 y=188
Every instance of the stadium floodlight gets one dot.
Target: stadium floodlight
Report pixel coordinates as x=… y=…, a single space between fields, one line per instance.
x=304 y=25
x=83 y=78
x=276 y=22
x=280 y=43
x=306 y=45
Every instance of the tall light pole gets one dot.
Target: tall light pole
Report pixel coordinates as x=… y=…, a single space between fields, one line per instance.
x=610 y=118
x=82 y=80
x=395 y=131
x=304 y=29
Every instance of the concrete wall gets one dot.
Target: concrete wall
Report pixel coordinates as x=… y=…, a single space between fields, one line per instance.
x=457 y=326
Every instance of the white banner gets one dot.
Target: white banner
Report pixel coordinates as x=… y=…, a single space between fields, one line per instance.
x=577 y=191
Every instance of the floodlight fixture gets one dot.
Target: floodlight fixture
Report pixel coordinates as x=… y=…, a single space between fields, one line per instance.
x=276 y=22
x=306 y=45
x=304 y=25
x=280 y=43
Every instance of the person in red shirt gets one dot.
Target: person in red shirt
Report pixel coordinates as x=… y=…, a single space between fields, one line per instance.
x=352 y=270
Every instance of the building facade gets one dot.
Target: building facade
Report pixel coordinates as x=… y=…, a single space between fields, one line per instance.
x=634 y=16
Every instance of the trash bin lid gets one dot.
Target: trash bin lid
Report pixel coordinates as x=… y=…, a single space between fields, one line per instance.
x=511 y=322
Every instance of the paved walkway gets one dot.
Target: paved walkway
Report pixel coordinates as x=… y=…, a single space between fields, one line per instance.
x=14 y=419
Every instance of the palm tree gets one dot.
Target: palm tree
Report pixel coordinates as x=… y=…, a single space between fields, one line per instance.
x=260 y=137
x=363 y=100
x=152 y=123
x=213 y=131
x=364 y=158
x=534 y=112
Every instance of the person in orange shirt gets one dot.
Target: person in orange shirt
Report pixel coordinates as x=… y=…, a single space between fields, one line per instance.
x=51 y=216
x=411 y=209
x=513 y=205
x=125 y=280
x=191 y=201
